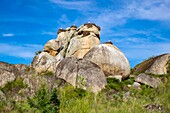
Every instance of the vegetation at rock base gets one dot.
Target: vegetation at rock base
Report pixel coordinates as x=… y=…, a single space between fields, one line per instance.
x=46 y=73
x=113 y=99
x=13 y=87
x=43 y=102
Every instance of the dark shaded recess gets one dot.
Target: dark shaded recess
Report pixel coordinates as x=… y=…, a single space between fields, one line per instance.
x=61 y=82
x=98 y=36
x=142 y=67
x=86 y=33
x=74 y=26
x=89 y=25
x=47 y=51
x=109 y=42
x=61 y=30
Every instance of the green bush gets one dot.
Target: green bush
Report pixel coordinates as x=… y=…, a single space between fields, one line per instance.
x=45 y=102
x=113 y=83
x=13 y=87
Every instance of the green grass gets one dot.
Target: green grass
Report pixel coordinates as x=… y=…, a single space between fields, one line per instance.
x=111 y=100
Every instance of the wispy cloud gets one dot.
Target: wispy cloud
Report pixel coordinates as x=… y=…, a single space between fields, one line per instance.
x=8 y=34
x=129 y=40
x=144 y=50
x=21 y=51
x=150 y=10
x=157 y=10
x=48 y=33
x=75 y=5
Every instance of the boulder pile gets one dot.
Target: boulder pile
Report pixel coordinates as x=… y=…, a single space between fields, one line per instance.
x=79 y=49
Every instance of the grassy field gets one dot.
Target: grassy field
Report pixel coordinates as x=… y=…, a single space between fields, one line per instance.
x=111 y=100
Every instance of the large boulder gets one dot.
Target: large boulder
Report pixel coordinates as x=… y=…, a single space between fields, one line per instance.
x=111 y=60
x=53 y=47
x=8 y=73
x=81 y=74
x=148 y=80
x=157 y=65
x=86 y=37
x=64 y=36
x=44 y=62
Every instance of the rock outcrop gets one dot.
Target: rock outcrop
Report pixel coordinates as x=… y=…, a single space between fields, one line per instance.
x=64 y=36
x=8 y=73
x=81 y=74
x=148 y=80
x=71 y=42
x=53 y=47
x=86 y=37
x=157 y=65
x=45 y=62
x=111 y=60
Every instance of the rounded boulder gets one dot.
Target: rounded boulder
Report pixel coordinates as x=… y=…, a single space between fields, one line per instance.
x=111 y=60
x=81 y=74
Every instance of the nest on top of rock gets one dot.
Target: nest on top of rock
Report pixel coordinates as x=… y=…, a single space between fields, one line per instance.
x=73 y=27
x=89 y=25
x=109 y=42
x=61 y=30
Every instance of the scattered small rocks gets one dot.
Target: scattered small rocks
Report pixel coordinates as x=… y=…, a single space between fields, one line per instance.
x=137 y=85
x=126 y=96
x=154 y=107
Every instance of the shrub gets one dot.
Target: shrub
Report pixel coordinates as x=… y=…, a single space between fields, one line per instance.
x=113 y=83
x=45 y=102
x=13 y=87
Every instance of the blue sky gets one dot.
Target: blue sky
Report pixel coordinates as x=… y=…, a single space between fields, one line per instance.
x=140 y=28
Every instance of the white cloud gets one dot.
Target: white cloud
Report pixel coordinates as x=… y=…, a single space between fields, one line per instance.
x=144 y=50
x=8 y=34
x=150 y=10
x=21 y=51
x=48 y=33
x=75 y=5
x=155 y=10
x=129 y=40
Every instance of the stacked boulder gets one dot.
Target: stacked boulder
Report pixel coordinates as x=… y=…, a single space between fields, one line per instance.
x=77 y=53
x=71 y=42
x=86 y=37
